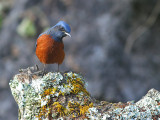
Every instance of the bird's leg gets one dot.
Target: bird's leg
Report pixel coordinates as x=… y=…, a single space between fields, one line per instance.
x=58 y=67
x=44 y=66
x=36 y=67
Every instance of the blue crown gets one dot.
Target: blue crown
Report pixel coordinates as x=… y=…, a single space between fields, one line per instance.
x=64 y=25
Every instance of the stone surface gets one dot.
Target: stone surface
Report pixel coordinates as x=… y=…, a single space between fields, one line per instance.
x=53 y=95
x=58 y=95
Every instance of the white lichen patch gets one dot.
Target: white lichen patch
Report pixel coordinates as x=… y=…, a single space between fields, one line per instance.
x=28 y=96
x=93 y=114
x=144 y=109
x=36 y=84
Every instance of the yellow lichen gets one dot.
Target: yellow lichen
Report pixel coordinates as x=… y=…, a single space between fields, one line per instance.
x=73 y=75
x=49 y=91
x=46 y=110
x=60 y=93
x=59 y=108
x=43 y=111
x=75 y=85
x=78 y=85
x=84 y=109
x=75 y=107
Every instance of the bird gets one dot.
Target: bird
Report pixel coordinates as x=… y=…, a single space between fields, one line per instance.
x=49 y=44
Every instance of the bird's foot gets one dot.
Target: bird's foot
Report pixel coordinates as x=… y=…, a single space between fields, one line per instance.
x=30 y=69
x=44 y=72
x=31 y=72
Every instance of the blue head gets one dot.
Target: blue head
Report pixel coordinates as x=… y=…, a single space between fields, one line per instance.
x=64 y=25
x=60 y=30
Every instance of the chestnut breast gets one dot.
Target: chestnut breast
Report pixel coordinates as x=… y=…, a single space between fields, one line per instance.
x=49 y=51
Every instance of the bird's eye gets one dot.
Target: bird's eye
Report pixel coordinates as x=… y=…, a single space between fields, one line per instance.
x=62 y=28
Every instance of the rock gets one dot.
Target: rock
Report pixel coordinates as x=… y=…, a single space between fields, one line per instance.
x=58 y=95
x=53 y=95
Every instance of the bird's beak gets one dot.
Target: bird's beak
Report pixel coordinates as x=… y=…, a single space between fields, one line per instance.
x=67 y=34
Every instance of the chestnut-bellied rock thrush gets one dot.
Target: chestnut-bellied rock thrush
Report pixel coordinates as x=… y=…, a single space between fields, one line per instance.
x=49 y=45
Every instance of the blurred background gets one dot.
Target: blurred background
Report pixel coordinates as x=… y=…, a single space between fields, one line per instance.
x=114 y=45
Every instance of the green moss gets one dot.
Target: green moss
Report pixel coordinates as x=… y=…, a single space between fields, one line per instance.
x=26 y=28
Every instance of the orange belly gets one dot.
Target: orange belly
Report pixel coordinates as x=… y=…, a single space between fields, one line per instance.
x=49 y=51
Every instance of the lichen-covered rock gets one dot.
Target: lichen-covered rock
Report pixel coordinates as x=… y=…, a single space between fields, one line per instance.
x=50 y=96
x=148 y=108
x=64 y=96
